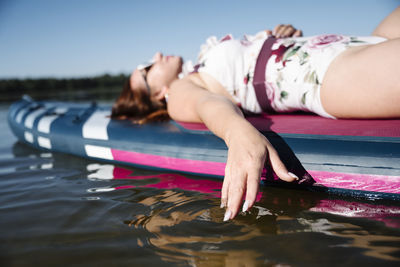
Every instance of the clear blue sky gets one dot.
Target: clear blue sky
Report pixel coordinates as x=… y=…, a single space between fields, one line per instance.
x=78 y=38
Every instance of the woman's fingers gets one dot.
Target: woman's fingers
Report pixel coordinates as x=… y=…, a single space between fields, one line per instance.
x=242 y=181
x=240 y=186
x=282 y=31
x=298 y=33
x=224 y=191
x=268 y=32
x=277 y=30
x=248 y=151
x=253 y=182
x=280 y=168
x=236 y=190
x=288 y=31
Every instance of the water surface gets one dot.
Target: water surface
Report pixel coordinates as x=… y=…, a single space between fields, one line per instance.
x=60 y=209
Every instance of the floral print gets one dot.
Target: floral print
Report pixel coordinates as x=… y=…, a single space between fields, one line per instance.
x=297 y=67
x=294 y=71
x=281 y=51
x=271 y=90
x=246 y=78
x=322 y=41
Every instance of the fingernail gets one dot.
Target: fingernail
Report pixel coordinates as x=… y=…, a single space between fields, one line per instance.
x=227 y=215
x=223 y=202
x=293 y=175
x=245 y=206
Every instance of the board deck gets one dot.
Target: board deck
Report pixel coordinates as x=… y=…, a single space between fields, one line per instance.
x=356 y=157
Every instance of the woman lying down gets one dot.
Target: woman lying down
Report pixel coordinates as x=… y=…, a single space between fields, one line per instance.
x=334 y=76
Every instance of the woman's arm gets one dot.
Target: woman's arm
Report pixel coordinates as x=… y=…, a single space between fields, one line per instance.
x=390 y=26
x=247 y=148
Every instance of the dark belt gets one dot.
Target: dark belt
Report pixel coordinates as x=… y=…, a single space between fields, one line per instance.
x=259 y=75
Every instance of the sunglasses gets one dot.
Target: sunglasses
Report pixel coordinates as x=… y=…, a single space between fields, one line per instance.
x=144 y=69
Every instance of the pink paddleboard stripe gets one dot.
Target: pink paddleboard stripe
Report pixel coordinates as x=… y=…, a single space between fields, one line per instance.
x=365 y=182
x=185 y=165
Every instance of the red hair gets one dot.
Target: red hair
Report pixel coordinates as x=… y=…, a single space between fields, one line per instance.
x=138 y=106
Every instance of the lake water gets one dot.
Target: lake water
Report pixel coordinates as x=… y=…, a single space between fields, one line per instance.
x=57 y=209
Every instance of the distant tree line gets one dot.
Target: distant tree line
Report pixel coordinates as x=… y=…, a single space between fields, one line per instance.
x=105 y=88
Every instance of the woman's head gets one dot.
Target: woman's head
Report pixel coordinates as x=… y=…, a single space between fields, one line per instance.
x=158 y=75
x=143 y=95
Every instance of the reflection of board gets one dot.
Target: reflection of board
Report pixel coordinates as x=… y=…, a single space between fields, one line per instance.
x=362 y=156
x=348 y=208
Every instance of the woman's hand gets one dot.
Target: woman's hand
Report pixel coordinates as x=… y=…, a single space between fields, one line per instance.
x=284 y=31
x=248 y=149
x=248 y=152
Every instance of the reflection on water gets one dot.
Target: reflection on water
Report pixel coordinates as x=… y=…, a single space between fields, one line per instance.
x=58 y=208
x=171 y=212
x=159 y=180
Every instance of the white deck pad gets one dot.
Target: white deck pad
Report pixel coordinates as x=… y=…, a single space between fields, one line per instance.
x=96 y=126
x=99 y=152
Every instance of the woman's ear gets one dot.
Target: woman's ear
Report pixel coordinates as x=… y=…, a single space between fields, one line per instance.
x=161 y=94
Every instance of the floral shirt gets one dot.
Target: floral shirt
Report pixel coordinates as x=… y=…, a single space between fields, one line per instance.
x=294 y=71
